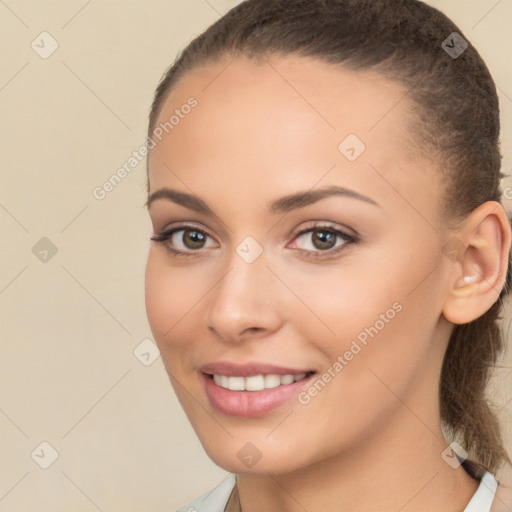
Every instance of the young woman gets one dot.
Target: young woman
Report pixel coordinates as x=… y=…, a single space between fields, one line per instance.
x=330 y=255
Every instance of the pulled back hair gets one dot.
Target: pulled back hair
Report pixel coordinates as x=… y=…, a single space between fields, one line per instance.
x=456 y=124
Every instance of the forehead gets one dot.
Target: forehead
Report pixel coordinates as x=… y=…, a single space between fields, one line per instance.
x=339 y=97
x=270 y=120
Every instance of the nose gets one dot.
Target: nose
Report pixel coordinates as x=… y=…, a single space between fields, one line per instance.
x=245 y=302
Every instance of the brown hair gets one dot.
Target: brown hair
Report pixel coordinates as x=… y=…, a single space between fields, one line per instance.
x=456 y=123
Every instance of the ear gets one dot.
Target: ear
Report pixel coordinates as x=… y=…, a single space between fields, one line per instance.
x=479 y=256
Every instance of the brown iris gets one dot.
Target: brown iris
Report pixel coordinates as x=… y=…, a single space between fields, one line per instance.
x=193 y=239
x=324 y=239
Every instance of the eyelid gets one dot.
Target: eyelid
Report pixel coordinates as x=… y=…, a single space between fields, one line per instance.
x=323 y=224
x=179 y=225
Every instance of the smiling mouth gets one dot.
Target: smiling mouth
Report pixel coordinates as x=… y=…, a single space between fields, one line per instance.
x=256 y=382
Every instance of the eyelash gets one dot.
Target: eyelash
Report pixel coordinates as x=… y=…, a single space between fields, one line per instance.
x=164 y=237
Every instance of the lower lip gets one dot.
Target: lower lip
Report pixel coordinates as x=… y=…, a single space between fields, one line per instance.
x=251 y=403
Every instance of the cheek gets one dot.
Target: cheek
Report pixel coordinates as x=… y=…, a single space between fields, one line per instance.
x=339 y=302
x=169 y=300
x=360 y=297
x=363 y=381
x=169 y=308
x=157 y=297
x=368 y=324
x=383 y=351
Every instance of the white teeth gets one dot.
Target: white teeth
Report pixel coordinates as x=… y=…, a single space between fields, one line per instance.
x=272 y=381
x=236 y=383
x=286 y=379
x=256 y=382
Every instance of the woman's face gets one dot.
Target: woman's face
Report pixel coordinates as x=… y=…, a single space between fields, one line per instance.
x=308 y=239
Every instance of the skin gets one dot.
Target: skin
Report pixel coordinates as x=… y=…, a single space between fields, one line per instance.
x=371 y=439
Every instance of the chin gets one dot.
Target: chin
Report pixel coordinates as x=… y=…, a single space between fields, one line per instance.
x=246 y=457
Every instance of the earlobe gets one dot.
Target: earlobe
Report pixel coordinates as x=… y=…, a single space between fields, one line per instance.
x=478 y=276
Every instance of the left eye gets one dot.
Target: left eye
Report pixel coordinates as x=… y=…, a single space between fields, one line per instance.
x=322 y=239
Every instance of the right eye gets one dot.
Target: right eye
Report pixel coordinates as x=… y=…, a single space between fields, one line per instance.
x=184 y=240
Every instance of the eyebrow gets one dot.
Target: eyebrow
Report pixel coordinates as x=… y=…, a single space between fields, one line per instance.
x=302 y=199
x=282 y=205
x=187 y=200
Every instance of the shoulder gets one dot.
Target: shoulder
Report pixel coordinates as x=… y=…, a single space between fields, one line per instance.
x=213 y=500
x=503 y=500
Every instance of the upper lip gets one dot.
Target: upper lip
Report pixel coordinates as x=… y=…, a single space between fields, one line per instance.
x=248 y=369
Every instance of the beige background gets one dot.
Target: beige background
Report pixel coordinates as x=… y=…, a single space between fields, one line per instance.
x=70 y=324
